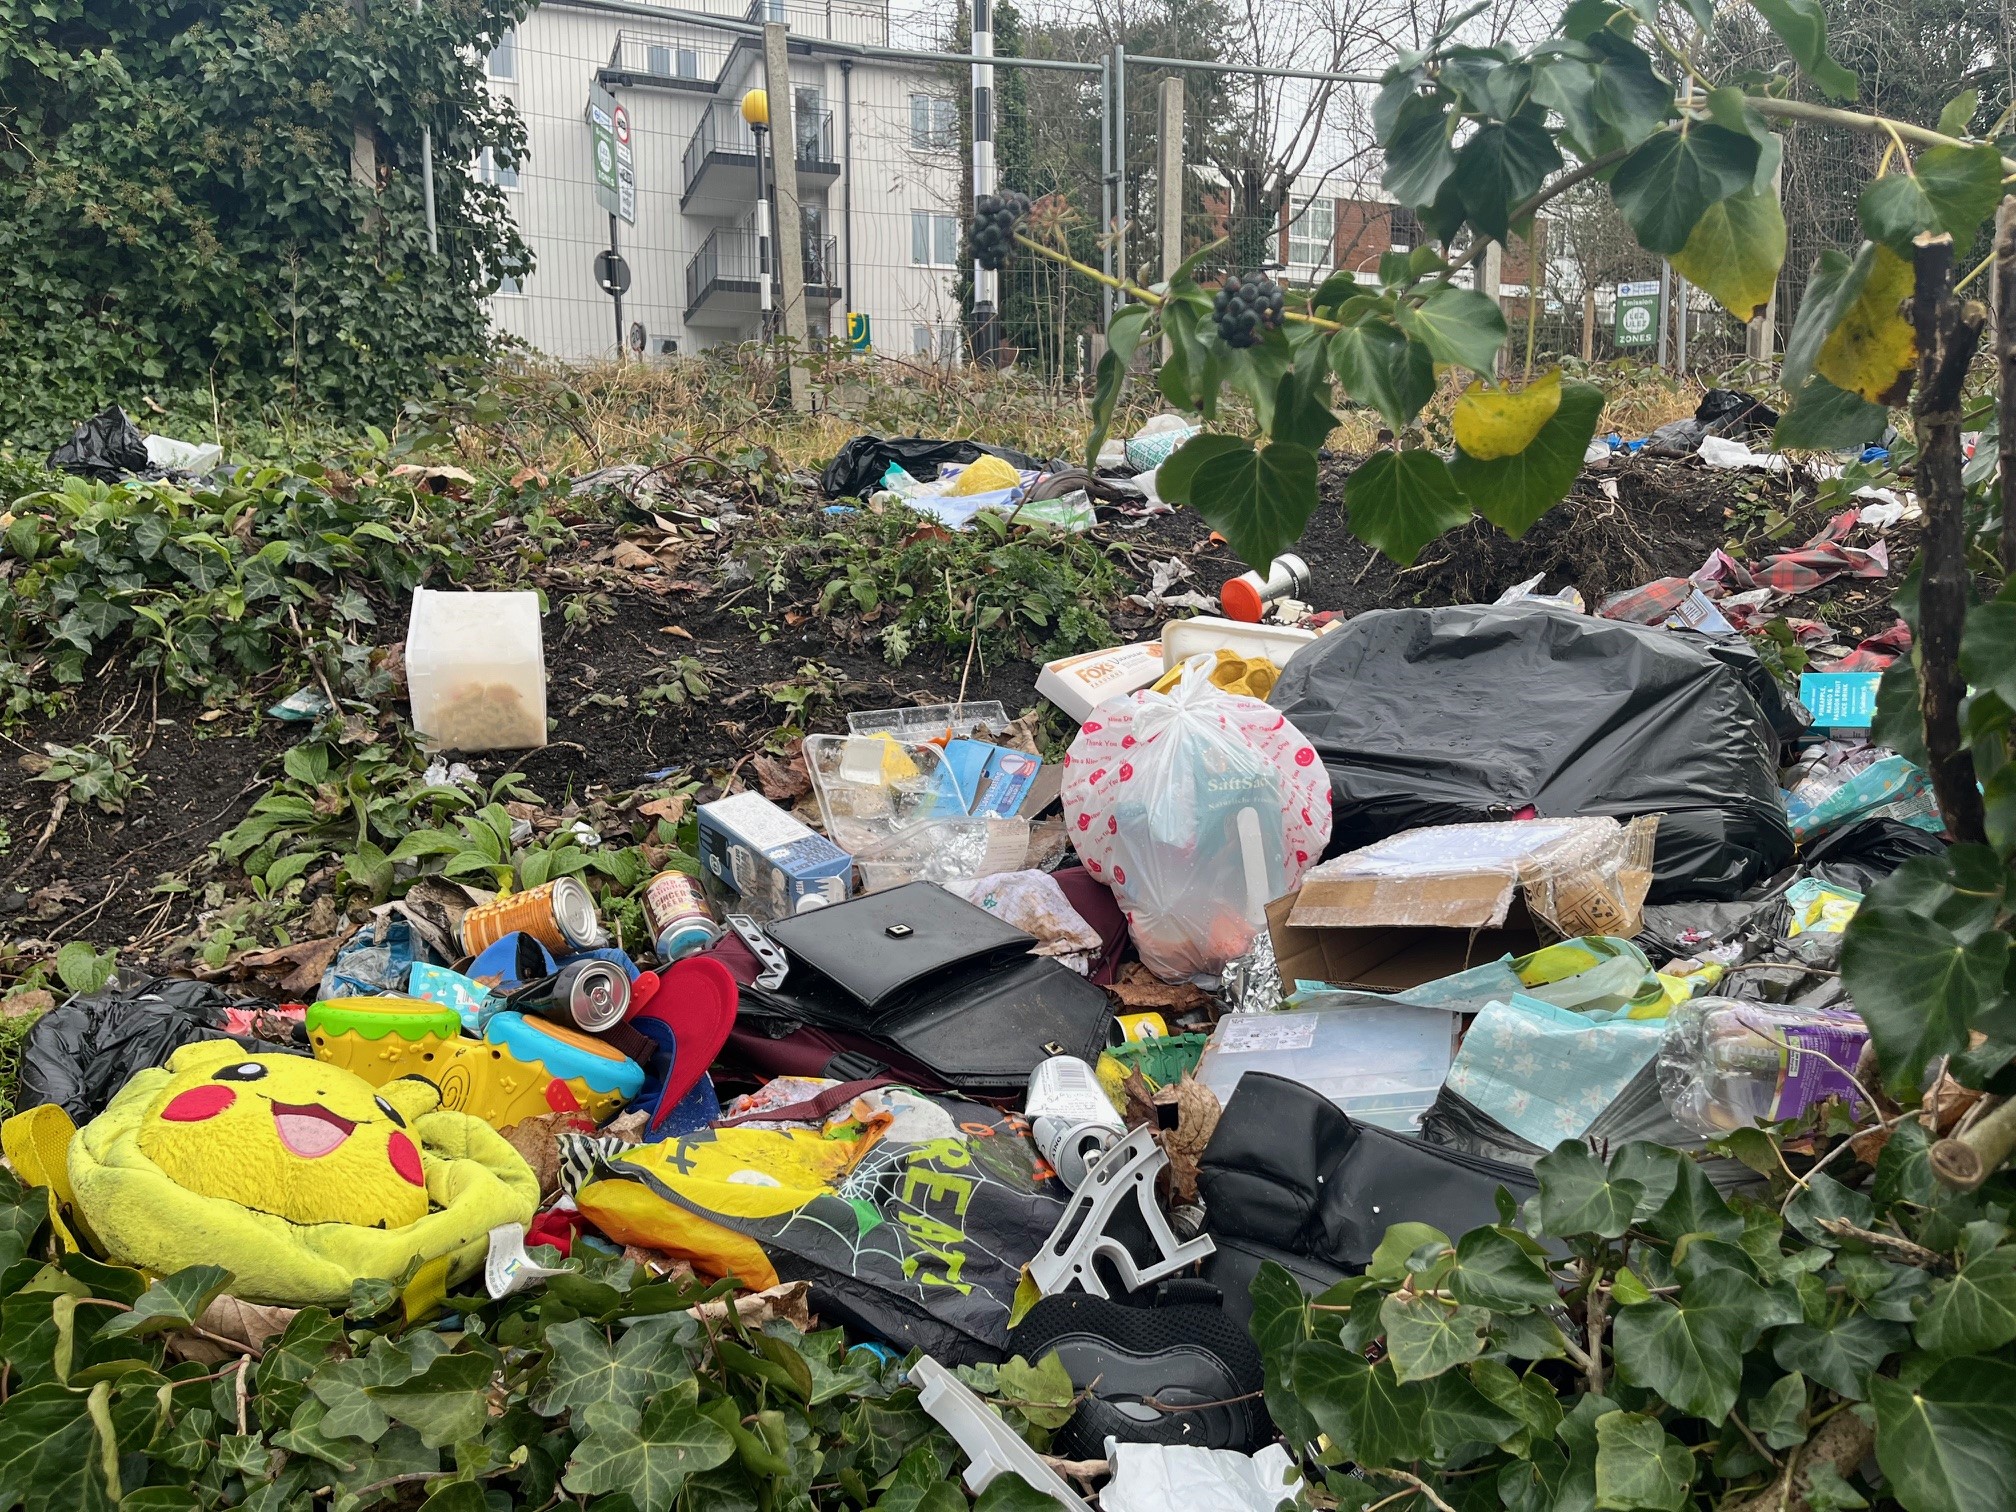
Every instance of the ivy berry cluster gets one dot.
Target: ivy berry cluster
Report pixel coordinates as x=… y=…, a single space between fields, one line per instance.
x=993 y=235
x=1246 y=308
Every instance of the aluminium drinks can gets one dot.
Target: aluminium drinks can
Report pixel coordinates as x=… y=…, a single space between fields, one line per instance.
x=678 y=916
x=560 y=915
x=587 y=995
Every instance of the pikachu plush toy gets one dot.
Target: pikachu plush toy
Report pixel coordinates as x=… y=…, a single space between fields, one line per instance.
x=297 y=1176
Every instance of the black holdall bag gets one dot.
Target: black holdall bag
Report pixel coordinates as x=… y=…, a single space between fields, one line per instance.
x=914 y=978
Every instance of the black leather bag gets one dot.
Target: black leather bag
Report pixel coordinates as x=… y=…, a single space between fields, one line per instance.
x=1289 y=1176
x=935 y=981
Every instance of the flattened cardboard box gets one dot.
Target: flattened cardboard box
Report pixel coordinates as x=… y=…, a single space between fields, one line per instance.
x=1391 y=933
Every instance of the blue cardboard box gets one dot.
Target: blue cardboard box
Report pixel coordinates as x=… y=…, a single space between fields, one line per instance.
x=749 y=844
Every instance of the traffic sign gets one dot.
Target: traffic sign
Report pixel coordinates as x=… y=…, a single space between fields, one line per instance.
x=1637 y=317
x=612 y=273
x=615 y=159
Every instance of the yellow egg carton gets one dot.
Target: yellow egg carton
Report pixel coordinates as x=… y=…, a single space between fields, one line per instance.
x=521 y=1068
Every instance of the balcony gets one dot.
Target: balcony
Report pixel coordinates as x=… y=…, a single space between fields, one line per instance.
x=722 y=284
x=669 y=62
x=720 y=162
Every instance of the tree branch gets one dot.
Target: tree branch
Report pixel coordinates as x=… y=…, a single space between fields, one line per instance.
x=1903 y=1249
x=1843 y=1442
x=1969 y=1158
x=1850 y=120
x=2005 y=352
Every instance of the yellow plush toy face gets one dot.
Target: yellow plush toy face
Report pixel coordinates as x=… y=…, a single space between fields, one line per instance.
x=282 y=1134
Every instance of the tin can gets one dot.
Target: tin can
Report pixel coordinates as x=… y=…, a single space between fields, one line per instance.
x=587 y=995
x=1247 y=596
x=560 y=915
x=1070 y=1117
x=678 y=916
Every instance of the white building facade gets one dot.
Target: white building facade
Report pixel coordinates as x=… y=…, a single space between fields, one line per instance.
x=876 y=143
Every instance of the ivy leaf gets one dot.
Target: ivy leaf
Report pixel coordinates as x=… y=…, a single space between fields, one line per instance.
x=1826 y=418
x=1988 y=649
x=49 y=1453
x=1735 y=251
x=1494 y=1270
x=1826 y=1491
x=1950 y=189
x=1670 y=180
x=1578 y=1197
x=1949 y=1445
x=1690 y=1349
x=172 y=1302
x=1639 y=1464
x=1008 y=1492
x=1398 y=502
x=1368 y=1415
x=1835 y=281
x=1419 y=158
x=1401 y=1240
x=1456 y=1413
x=584 y=1368
x=647 y=1458
x=1501 y=165
x=1260 y=501
x=1904 y=1169
x=1123 y=334
x=1823 y=1199
x=1871 y=349
x=1512 y=492
x=1379 y=366
x=1425 y=1336
x=1491 y=422
x=1628 y=94
x=1779 y=1416
x=1917 y=985
x=1802 y=26
x=82 y=969
x=1840 y=1354
x=1974 y=1311
x=446 y=1403
x=344 y=1385
x=1458 y=326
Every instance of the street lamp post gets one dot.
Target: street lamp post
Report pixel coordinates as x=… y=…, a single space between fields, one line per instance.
x=756 y=112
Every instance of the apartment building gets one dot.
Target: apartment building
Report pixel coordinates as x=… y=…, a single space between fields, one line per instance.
x=876 y=144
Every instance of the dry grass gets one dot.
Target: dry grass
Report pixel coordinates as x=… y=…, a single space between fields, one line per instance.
x=561 y=419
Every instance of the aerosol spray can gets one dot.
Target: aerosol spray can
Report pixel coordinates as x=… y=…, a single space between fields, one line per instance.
x=587 y=995
x=678 y=916
x=1247 y=596
x=1070 y=1117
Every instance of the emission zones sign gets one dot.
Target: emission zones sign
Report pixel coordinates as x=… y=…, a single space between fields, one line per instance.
x=615 y=163
x=1637 y=314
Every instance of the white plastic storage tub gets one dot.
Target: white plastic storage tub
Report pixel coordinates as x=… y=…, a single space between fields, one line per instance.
x=476 y=670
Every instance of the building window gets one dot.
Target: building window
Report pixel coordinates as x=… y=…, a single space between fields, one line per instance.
x=491 y=171
x=658 y=61
x=934 y=239
x=934 y=123
x=509 y=285
x=939 y=344
x=504 y=56
x=689 y=63
x=1406 y=229
x=1312 y=232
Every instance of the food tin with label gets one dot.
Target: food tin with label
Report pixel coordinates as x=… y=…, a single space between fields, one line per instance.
x=678 y=916
x=560 y=915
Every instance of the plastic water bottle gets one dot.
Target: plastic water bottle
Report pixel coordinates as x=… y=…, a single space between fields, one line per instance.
x=1727 y=1063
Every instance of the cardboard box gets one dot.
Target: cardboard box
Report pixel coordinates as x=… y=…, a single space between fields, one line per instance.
x=1079 y=684
x=749 y=844
x=1430 y=902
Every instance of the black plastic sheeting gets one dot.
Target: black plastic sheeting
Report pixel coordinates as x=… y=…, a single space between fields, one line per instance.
x=81 y=1053
x=1472 y=713
x=105 y=448
x=859 y=467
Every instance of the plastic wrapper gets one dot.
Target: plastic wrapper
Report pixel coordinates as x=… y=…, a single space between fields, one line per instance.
x=1475 y=712
x=1889 y=787
x=899 y=808
x=1033 y=902
x=1379 y=1061
x=1727 y=1064
x=1197 y=808
x=1547 y=1073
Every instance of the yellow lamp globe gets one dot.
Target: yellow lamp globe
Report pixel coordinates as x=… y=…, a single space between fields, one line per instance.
x=756 y=108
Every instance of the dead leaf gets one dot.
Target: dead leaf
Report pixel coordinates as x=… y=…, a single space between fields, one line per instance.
x=537 y=1140
x=437 y=480
x=671 y=810
x=782 y=781
x=1138 y=988
x=23 y=1004
x=659 y=1265
x=526 y=475
x=631 y=557
x=228 y=1318
x=1022 y=734
x=46 y=903
x=1197 y=1113
x=698 y=590
x=679 y=630
x=210 y=716
x=298 y=967
x=789 y=1302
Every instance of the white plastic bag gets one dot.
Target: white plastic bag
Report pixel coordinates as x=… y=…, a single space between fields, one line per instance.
x=1198 y=808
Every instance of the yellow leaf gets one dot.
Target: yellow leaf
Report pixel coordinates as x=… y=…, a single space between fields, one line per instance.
x=1735 y=251
x=1872 y=350
x=1492 y=422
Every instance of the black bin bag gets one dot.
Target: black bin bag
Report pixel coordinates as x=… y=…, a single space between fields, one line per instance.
x=1473 y=713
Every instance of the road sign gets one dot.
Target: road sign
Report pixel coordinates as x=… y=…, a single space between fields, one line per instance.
x=857 y=331
x=615 y=160
x=1637 y=319
x=612 y=273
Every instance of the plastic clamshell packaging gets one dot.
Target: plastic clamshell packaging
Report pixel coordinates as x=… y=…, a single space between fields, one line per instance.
x=1381 y=1065
x=476 y=670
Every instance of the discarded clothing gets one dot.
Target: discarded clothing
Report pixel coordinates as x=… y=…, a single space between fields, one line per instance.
x=858 y=468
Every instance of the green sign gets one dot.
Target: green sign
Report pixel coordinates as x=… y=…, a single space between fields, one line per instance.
x=857 y=331
x=1637 y=314
x=615 y=167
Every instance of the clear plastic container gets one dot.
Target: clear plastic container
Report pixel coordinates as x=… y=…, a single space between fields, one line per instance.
x=1382 y=1064
x=476 y=670
x=1728 y=1063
